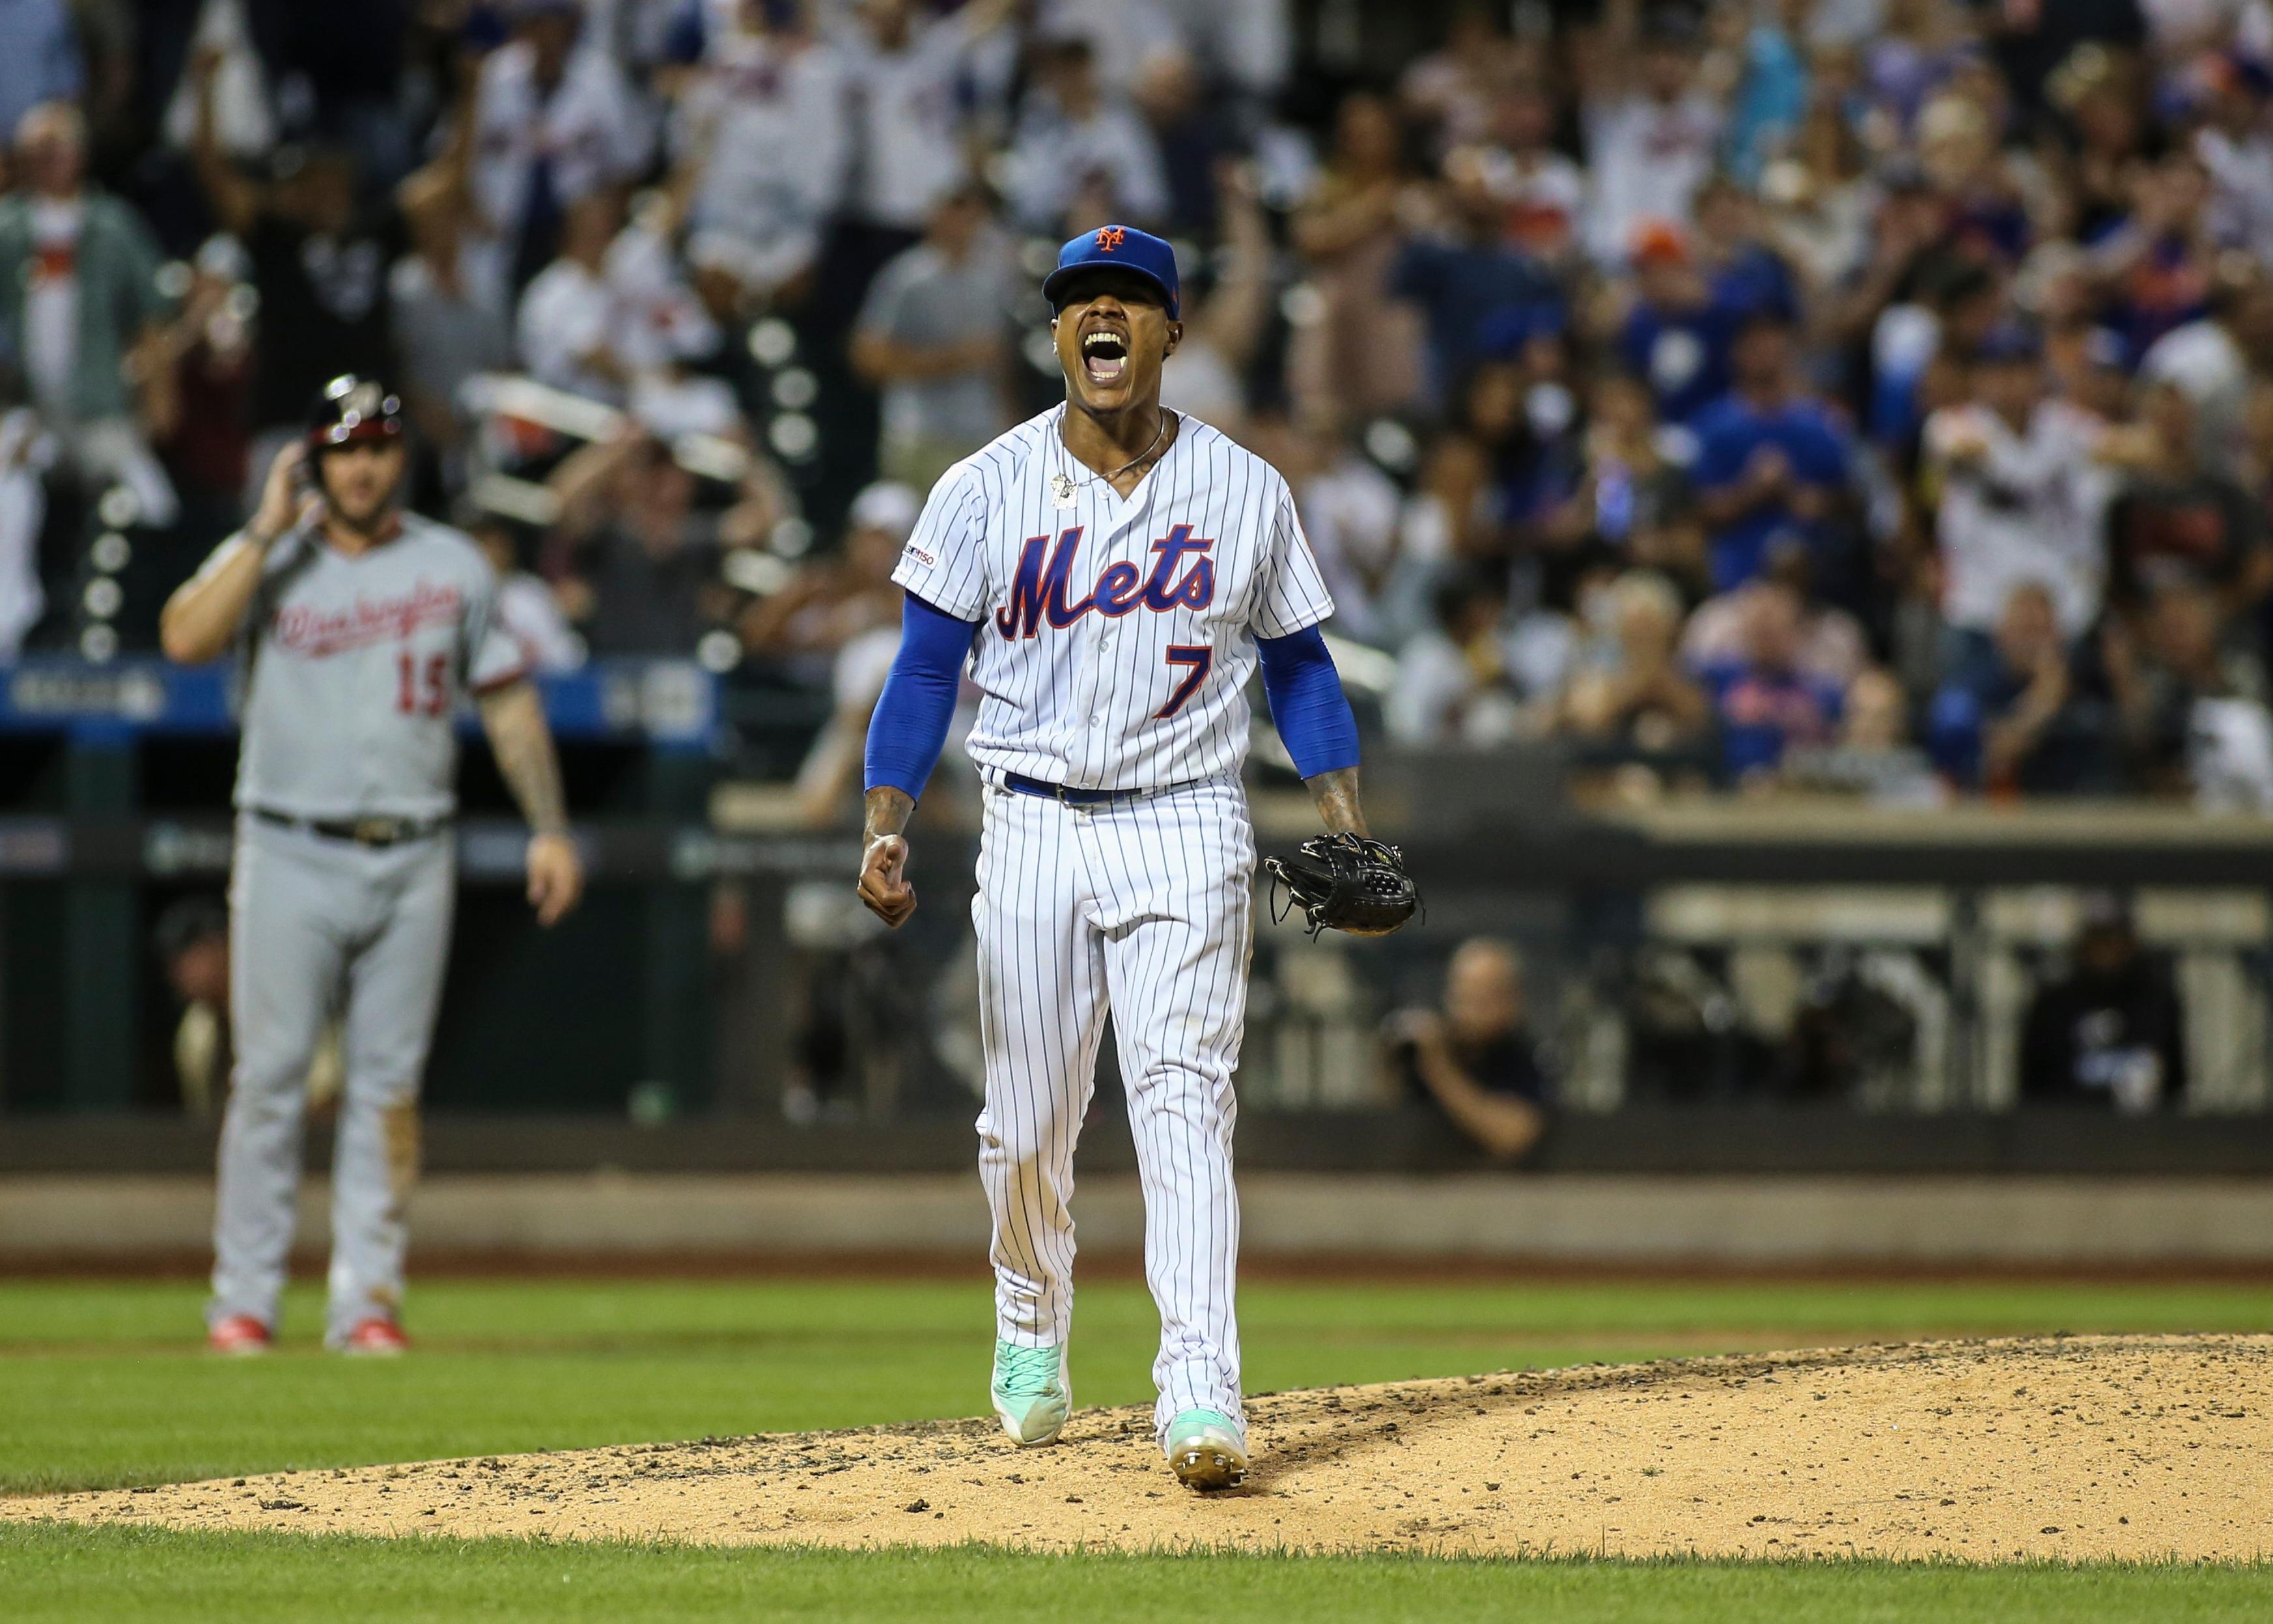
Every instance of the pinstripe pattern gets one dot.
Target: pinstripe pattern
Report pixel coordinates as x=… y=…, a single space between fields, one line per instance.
x=1140 y=907
x=1115 y=640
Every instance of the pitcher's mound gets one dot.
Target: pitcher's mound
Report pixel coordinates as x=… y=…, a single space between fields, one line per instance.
x=2074 y=1447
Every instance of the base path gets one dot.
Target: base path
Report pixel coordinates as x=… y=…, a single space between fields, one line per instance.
x=2138 y=1447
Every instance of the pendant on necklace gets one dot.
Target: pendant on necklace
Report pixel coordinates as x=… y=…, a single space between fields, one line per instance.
x=1062 y=490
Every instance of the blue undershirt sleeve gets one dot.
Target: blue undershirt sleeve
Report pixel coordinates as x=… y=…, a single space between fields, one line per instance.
x=908 y=728
x=1307 y=703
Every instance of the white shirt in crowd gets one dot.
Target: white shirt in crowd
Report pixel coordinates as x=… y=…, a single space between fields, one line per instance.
x=1054 y=156
x=907 y=130
x=51 y=305
x=770 y=129
x=591 y=130
x=529 y=613
x=1647 y=158
x=25 y=453
x=1352 y=514
x=2024 y=507
x=635 y=307
x=2210 y=370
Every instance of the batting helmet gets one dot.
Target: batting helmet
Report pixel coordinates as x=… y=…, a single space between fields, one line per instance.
x=351 y=407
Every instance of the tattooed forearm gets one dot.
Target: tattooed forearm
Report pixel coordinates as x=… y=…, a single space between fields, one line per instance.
x=886 y=812
x=1336 y=795
x=513 y=717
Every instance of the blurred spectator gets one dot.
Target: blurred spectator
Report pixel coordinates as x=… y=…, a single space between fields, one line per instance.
x=1475 y=1062
x=1832 y=646
x=1451 y=93
x=26 y=451
x=1451 y=684
x=1360 y=352
x=901 y=71
x=1467 y=274
x=763 y=152
x=1227 y=314
x=1638 y=696
x=1771 y=463
x=2236 y=149
x=1544 y=190
x=2158 y=264
x=567 y=327
x=2021 y=499
x=1873 y=757
x=1354 y=515
x=1077 y=135
x=553 y=121
x=1193 y=133
x=2013 y=721
x=1651 y=129
x=639 y=573
x=2174 y=517
x=1770 y=96
x=2190 y=705
x=39 y=57
x=319 y=259
x=78 y=296
x=1677 y=336
x=526 y=607
x=1765 y=702
x=933 y=337
x=191 y=940
x=447 y=327
x=2210 y=360
x=199 y=386
x=2111 y=1034
x=830 y=603
x=1742 y=272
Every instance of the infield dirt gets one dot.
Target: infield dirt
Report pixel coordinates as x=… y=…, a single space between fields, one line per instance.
x=2085 y=1447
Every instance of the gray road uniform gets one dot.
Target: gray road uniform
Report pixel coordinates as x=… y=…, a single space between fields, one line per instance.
x=341 y=897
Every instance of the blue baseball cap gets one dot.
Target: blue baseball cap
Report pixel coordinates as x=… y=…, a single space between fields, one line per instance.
x=1116 y=248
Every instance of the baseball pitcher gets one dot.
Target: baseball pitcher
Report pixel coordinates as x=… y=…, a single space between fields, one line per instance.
x=1112 y=573
x=362 y=626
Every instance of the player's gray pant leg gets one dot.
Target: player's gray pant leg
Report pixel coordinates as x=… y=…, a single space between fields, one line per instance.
x=393 y=985
x=1041 y=986
x=1174 y=880
x=287 y=950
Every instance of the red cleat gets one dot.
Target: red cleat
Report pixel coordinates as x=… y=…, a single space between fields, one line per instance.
x=237 y=1334
x=375 y=1338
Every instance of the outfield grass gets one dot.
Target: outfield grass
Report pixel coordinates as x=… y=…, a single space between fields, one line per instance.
x=143 y=1574
x=103 y=1384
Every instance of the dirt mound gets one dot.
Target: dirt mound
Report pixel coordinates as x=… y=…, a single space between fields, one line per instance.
x=2075 y=1448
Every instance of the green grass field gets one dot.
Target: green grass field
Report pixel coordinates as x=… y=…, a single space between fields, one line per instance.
x=104 y=1384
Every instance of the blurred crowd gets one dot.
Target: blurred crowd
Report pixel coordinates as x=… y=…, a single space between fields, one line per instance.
x=1864 y=397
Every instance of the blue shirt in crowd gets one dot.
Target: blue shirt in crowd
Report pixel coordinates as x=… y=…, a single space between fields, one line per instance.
x=1765 y=712
x=1460 y=288
x=1729 y=435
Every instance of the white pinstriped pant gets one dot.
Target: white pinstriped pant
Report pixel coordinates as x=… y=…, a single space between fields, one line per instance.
x=1140 y=907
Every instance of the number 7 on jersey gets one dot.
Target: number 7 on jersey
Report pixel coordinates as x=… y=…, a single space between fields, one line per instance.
x=1201 y=658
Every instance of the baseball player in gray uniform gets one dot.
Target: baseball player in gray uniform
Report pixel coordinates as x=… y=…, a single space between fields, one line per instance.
x=361 y=627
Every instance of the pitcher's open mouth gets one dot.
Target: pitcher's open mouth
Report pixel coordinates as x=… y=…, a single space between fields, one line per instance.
x=1104 y=355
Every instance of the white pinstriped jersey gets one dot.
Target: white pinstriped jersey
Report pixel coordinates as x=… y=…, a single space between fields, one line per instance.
x=1116 y=634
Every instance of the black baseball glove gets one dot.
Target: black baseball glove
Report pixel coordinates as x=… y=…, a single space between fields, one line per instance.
x=1345 y=883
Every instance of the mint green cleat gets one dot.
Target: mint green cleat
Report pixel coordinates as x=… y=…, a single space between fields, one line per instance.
x=1206 y=1451
x=1031 y=1392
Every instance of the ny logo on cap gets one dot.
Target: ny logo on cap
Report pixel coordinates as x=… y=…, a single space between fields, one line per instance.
x=363 y=401
x=1110 y=237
